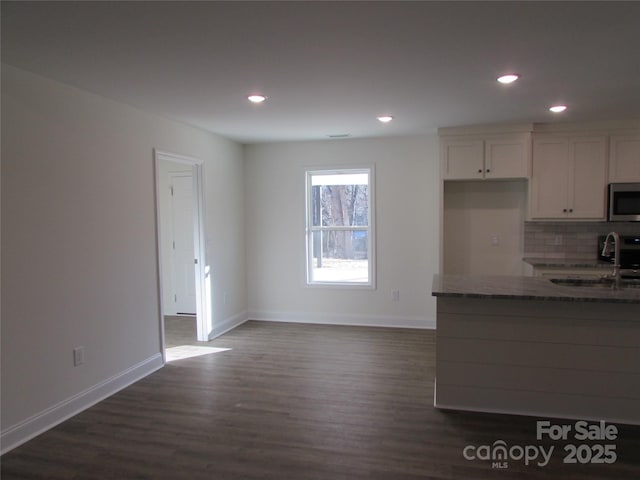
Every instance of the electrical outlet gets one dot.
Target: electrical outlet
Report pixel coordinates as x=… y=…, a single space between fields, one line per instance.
x=395 y=295
x=495 y=239
x=78 y=356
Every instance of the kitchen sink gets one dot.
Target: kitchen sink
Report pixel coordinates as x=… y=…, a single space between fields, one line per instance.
x=596 y=282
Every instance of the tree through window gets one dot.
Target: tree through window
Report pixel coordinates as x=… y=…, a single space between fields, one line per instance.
x=339 y=227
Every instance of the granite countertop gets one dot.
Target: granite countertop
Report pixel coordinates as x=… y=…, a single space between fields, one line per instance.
x=567 y=262
x=526 y=288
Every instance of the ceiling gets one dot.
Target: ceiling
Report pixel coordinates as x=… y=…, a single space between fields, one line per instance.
x=329 y=68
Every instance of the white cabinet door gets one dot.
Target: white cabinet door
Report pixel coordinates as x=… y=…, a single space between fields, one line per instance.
x=587 y=191
x=624 y=160
x=507 y=157
x=550 y=172
x=569 y=176
x=462 y=159
x=496 y=157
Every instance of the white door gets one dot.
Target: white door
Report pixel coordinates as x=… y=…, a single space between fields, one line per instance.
x=182 y=252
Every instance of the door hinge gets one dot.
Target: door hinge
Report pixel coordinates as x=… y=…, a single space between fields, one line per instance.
x=195 y=260
x=175 y=297
x=174 y=245
x=171 y=187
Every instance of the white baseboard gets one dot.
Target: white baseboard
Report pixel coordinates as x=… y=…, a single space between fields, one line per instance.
x=363 y=320
x=41 y=422
x=228 y=323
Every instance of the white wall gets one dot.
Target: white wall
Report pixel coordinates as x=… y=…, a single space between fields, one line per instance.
x=475 y=212
x=224 y=210
x=79 y=261
x=407 y=220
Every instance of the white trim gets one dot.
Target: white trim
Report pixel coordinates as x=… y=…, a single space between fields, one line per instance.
x=158 y=245
x=228 y=324
x=203 y=312
x=603 y=127
x=486 y=129
x=174 y=157
x=41 y=422
x=353 y=319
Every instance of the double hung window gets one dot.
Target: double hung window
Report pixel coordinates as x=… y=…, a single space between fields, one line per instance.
x=339 y=230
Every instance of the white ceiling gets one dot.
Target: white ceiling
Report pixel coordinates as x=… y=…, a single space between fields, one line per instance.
x=331 y=67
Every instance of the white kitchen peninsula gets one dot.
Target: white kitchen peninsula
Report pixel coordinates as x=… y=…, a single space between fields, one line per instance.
x=524 y=345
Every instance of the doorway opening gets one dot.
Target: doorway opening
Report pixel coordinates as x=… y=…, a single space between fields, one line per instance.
x=183 y=278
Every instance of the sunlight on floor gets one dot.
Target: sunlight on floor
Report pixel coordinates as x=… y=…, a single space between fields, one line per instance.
x=188 y=351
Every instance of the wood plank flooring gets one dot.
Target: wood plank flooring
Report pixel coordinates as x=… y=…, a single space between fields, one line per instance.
x=295 y=402
x=180 y=330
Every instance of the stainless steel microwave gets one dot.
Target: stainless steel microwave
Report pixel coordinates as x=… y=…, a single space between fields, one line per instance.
x=624 y=202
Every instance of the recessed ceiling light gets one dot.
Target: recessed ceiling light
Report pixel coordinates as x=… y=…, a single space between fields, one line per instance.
x=385 y=118
x=558 y=108
x=256 y=98
x=510 y=78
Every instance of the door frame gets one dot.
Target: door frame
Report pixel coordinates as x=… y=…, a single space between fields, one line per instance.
x=203 y=321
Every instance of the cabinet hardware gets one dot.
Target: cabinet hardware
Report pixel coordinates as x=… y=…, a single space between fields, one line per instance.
x=479 y=170
x=564 y=210
x=488 y=170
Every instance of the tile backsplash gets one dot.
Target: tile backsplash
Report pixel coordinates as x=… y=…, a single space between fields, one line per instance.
x=570 y=239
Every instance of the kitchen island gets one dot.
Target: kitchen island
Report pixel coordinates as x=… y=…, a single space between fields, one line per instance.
x=524 y=345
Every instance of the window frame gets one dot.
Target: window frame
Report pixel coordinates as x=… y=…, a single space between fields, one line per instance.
x=370 y=228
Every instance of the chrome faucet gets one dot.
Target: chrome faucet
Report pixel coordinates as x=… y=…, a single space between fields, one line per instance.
x=606 y=250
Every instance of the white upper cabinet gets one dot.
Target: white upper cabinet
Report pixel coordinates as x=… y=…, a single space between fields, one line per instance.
x=549 y=178
x=569 y=177
x=507 y=157
x=490 y=157
x=462 y=159
x=624 y=159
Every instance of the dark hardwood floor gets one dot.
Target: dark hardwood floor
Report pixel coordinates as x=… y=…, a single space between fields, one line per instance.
x=180 y=330
x=296 y=402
